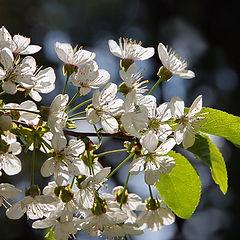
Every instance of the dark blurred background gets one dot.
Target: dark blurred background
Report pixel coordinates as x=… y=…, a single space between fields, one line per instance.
x=204 y=32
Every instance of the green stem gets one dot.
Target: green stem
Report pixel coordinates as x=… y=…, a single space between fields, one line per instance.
x=120 y=165
x=72 y=181
x=46 y=144
x=124 y=189
x=155 y=85
x=33 y=163
x=73 y=98
x=110 y=152
x=76 y=114
x=2 y=93
x=76 y=119
x=150 y=191
x=79 y=105
x=65 y=84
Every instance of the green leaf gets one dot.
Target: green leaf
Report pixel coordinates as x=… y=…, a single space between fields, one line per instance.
x=181 y=188
x=222 y=124
x=205 y=149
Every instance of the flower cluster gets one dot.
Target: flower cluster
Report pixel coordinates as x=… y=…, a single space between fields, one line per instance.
x=75 y=198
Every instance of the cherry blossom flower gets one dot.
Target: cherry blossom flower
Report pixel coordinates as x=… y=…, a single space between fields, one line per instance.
x=87 y=185
x=9 y=148
x=71 y=56
x=12 y=74
x=155 y=216
x=18 y=44
x=105 y=108
x=130 y=49
x=64 y=160
x=89 y=76
x=189 y=123
x=43 y=82
x=173 y=64
x=62 y=229
x=154 y=161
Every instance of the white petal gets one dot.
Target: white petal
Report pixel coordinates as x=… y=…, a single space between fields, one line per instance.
x=15 y=148
x=179 y=133
x=109 y=124
x=177 y=106
x=152 y=173
x=196 y=106
x=150 y=141
x=83 y=56
x=48 y=167
x=163 y=55
x=188 y=138
x=31 y=49
x=12 y=165
x=21 y=43
x=64 y=52
x=114 y=48
x=59 y=141
x=187 y=74
x=45 y=223
x=75 y=147
x=6 y=58
x=108 y=93
x=166 y=146
x=16 y=211
x=92 y=116
x=137 y=165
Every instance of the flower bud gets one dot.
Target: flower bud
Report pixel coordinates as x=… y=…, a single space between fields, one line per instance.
x=121 y=196
x=79 y=180
x=99 y=206
x=69 y=69
x=164 y=73
x=152 y=204
x=5 y=122
x=126 y=63
x=33 y=191
x=66 y=194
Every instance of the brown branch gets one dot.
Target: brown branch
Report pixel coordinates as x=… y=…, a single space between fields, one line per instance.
x=88 y=134
x=85 y=134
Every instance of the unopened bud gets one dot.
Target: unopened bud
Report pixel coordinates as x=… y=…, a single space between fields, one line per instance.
x=33 y=191
x=126 y=63
x=121 y=196
x=152 y=204
x=164 y=73
x=69 y=69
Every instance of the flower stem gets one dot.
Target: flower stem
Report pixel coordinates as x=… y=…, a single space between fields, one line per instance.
x=150 y=191
x=33 y=162
x=124 y=189
x=73 y=98
x=155 y=85
x=110 y=152
x=120 y=165
x=79 y=105
x=76 y=114
x=2 y=93
x=65 y=85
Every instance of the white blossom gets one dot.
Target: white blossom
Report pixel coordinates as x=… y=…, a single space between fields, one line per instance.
x=13 y=75
x=64 y=160
x=35 y=207
x=71 y=56
x=17 y=44
x=9 y=148
x=105 y=108
x=173 y=63
x=89 y=76
x=154 y=161
x=130 y=49
x=189 y=123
